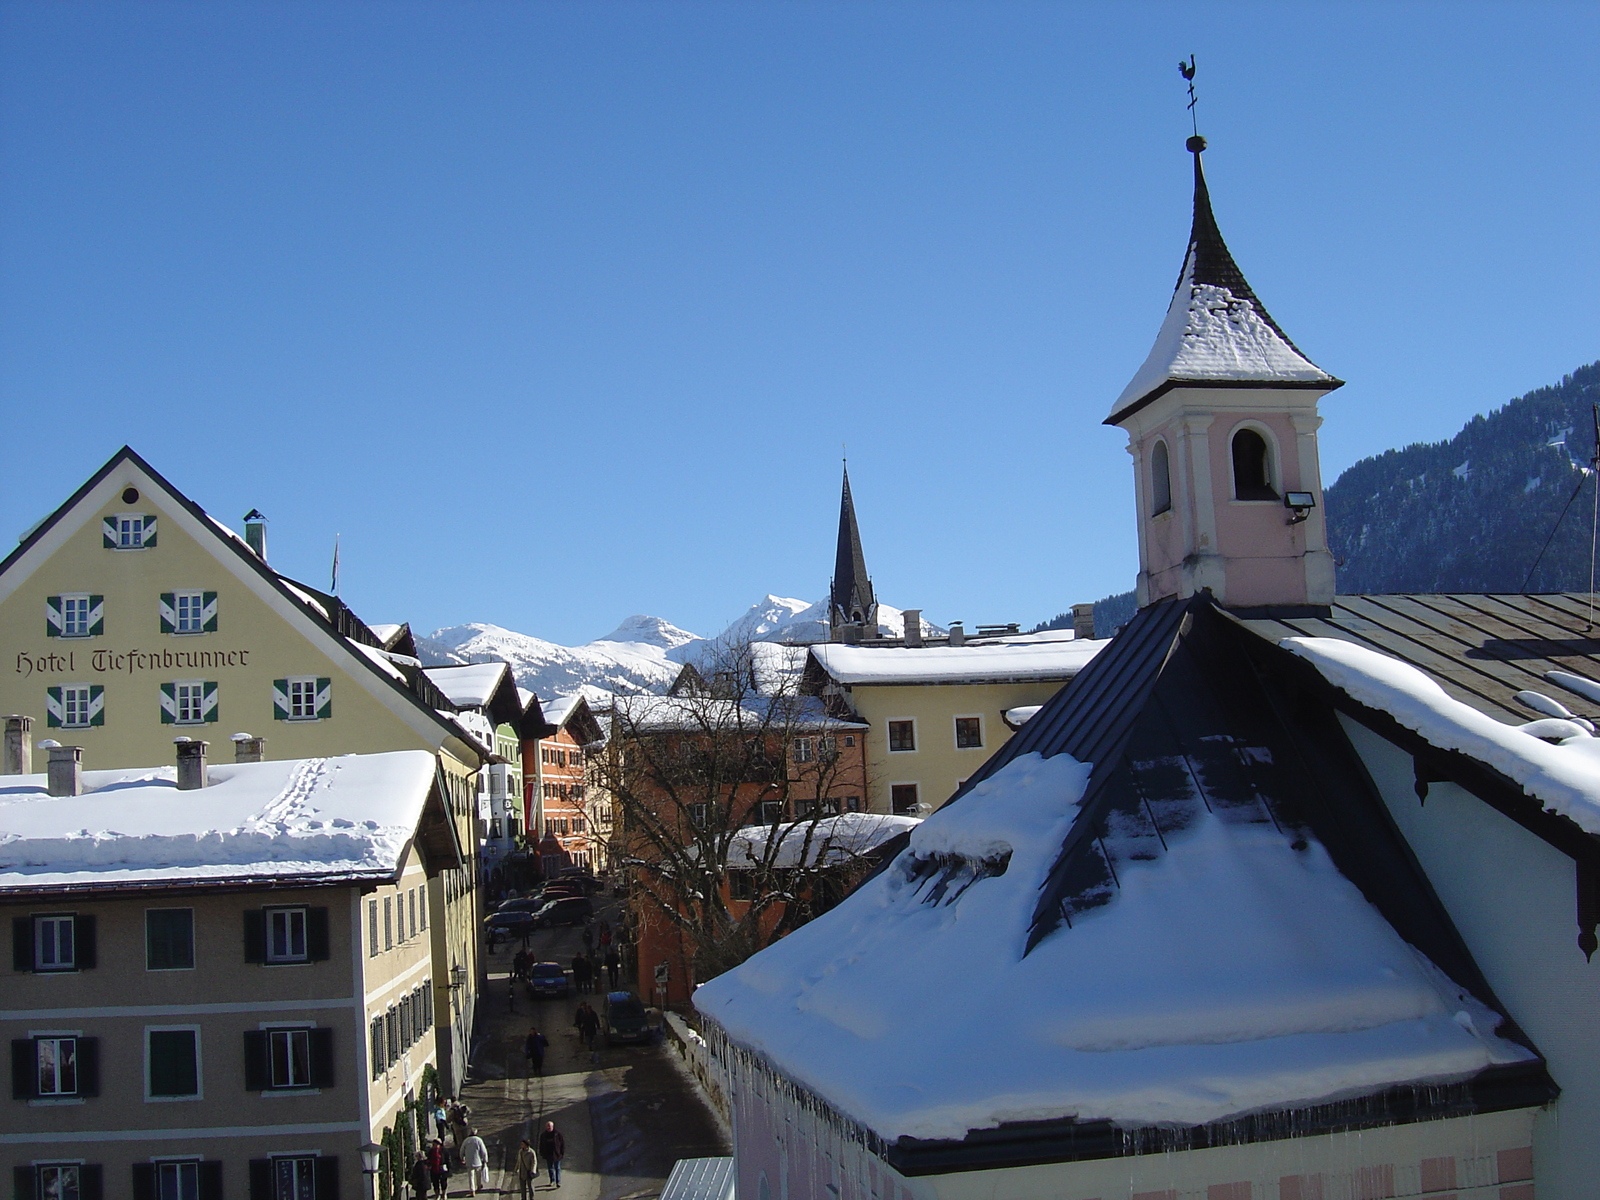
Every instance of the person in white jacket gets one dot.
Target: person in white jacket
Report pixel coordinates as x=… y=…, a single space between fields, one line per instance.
x=475 y=1157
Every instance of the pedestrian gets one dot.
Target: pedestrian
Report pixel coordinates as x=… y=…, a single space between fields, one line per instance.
x=527 y=1169
x=613 y=966
x=475 y=1158
x=441 y=1116
x=534 y=1047
x=588 y=938
x=460 y=1114
x=439 y=1169
x=421 y=1179
x=588 y=1023
x=580 y=973
x=552 y=1148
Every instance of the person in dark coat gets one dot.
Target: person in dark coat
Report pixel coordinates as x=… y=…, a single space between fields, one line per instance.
x=552 y=1148
x=534 y=1046
x=613 y=965
x=439 y=1169
x=420 y=1178
x=587 y=1022
x=580 y=973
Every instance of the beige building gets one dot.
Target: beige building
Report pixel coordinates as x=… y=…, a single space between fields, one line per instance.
x=937 y=712
x=130 y=617
x=233 y=993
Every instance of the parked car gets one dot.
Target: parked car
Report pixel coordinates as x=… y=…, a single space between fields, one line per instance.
x=624 y=1018
x=558 y=892
x=547 y=979
x=569 y=910
x=527 y=904
x=511 y=924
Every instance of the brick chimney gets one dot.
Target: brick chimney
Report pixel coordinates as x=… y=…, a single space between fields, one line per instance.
x=18 y=757
x=191 y=763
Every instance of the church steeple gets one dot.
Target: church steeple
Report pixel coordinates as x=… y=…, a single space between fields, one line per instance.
x=1221 y=422
x=852 y=608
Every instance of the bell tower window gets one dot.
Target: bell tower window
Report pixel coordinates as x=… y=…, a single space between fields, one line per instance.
x=1252 y=469
x=1160 y=480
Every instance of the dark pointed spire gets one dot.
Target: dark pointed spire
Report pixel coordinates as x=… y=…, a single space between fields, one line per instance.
x=851 y=602
x=1217 y=331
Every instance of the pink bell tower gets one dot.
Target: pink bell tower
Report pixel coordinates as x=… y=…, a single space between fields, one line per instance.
x=1222 y=426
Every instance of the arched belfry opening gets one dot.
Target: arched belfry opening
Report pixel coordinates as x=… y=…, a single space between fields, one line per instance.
x=1224 y=410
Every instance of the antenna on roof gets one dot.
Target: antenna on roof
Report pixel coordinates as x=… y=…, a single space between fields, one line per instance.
x=1594 y=523
x=1186 y=69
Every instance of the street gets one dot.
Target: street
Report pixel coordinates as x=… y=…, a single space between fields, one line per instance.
x=627 y=1112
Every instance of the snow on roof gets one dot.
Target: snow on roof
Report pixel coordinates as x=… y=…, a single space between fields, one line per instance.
x=703 y=714
x=1234 y=973
x=559 y=708
x=384 y=632
x=474 y=724
x=305 y=597
x=382 y=659
x=1018 y=717
x=468 y=686
x=1565 y=776
x=829 y=840
x=1019 y=658
x=351 y=815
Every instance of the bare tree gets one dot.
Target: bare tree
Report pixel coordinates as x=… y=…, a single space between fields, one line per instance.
x=725 y=799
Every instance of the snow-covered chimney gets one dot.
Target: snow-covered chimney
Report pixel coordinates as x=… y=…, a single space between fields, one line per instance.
x=248 y=749
x=1083 y=621
x=191 y=763
x=66 y=769
x=913 y=635
x=19 y=746
x=958 y=634
x=255 y=533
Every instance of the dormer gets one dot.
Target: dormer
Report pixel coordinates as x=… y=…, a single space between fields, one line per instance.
x=1222 y=426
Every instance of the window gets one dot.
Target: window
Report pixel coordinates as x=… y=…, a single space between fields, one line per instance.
x=1160 y=479
x=698 y=813
x=53 y=939
x=388 y=922
x=494 y=829
x=289 y=1058
x=128 y=531
x=190 y=701
x=804 y=750
x=188 y=612
x=168 y=939
x=286 y=935
x=302 y=698
x=177 y=1181
x=411 y=911
x=75 y=706
x=850 y=740
x=969 y=733
x=294 y=1178
x=64 y=1181
x=172 y=1064
x=56 y=1066
x=1252 y=474
x=422 y=907
x=852 y=804
x=902 y=735
x=903 y=798
x=380 y=1063
x=75 y=616
x=372 y=928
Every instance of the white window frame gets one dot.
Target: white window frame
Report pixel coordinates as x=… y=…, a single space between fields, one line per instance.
x=888 y=737
x=298 y=1163
x=174 y=1169
x=955 y=730
x=805 y=750
x=79 y=697
x=45 y=921
x=61 y=1193
x=914 y=783
x=130 y=530
x=192 y=688
x=302 y=696
x=286 y=1037
x=86 y=607
x=56 y=1040
x=199 y=1065
x=287 y=915
x=196 y=600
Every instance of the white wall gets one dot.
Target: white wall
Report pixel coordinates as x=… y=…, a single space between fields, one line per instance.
x=1514 y=899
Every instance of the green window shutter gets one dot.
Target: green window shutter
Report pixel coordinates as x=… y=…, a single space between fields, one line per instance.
x=208 y=612
x=280 y=699
x=97 y=615
x=52 y=616
x=97 y=704
x=169 y=612
x=54 y=714
x=169 y=703
x=149 y=532
x=209 y=704
x=324 y=698
x=108 y=533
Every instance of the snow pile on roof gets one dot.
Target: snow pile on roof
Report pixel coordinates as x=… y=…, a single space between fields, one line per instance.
x=470 y=685
x=384 y=632
x=829 y=840
x=1021 y=715
x=383 y=660
x=1564 y=776
x=1234 y=973
x=297 y=817
x=1011 y=659
x=1211 y=334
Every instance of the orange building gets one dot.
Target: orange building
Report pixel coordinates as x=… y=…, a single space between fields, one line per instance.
x=560 y=817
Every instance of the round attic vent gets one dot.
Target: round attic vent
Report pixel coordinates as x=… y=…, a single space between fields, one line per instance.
x=130 y=495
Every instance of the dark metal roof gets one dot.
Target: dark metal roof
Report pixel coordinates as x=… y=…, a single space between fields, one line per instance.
x=851 y=590
x=1482 y=649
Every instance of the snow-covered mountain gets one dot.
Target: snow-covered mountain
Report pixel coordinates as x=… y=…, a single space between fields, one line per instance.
x=642 y=654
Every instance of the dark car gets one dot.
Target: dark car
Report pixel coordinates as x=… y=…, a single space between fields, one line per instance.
x=527 y=904
x=570 y=910
x=547 y=979
x=509 y=923
x=625 y=1019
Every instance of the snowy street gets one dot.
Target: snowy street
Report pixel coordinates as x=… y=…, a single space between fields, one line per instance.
x=626 y=1118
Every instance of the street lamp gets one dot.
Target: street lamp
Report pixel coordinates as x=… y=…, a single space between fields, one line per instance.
x=371 y=1155
x=458 y=977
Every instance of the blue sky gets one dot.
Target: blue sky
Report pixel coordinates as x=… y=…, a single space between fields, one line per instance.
x=561 y=311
